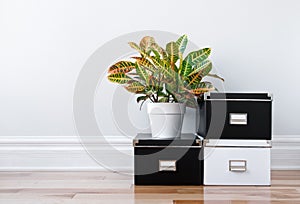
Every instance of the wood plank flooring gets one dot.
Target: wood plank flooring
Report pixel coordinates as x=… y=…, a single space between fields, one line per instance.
x=109 y=187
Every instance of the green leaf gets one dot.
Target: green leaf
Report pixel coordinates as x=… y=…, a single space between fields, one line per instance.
x=146 y=43
x=157 y=77
x=194 y=79
x=182 y=42
x=153 y=84
x=156 y=61
x=196 y=57
x=201 y=88
x=204 y=68
x=172 y=50
x=216 y=76
x=185 y=69
x=142 y=98
x=171 y=88
x=160 y=50
x=120 y=78
x=121 y=67
x=142 y=72
x=167 y=71
x=161 y=94
x=181 y=97
x=136 y=47
x=199 y=91
x=162 y=66
x=156 y=53
x=191 y=102
x=145 y=63
x=163 y=100
x=135 y=87
x=205 y=84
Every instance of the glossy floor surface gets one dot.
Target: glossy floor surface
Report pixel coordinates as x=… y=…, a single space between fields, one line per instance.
x=108 y=187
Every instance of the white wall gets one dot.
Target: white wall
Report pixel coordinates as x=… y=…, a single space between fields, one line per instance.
x=44 y=44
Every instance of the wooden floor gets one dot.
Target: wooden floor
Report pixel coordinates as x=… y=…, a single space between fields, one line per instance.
x=107 y=187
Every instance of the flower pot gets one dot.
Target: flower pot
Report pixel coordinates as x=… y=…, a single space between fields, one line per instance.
x=166 y=119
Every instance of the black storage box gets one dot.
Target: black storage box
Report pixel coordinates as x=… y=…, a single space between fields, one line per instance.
x=176 y=161
x=235 y=116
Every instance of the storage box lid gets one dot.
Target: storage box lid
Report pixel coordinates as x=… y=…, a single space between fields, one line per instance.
x=238 y=96
x=185 y=140
x=238 y=143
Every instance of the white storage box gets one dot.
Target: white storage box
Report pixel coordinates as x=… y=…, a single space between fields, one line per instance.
x=237 y=162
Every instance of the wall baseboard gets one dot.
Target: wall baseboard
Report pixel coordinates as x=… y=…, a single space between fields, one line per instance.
x=61 y=153
x=56 y=153
x=286 y=152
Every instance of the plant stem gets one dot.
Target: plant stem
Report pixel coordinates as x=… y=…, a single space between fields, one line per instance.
x=151 y=99
x=154 y=100
x=159 y=82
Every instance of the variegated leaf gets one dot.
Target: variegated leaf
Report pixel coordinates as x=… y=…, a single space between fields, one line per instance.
x=146 y=43
x=182 y=42
x=199 y=91
x=205 y=84
x=167 y=71
x=121 y=67
x=142 y=72
x=172 y=50
x=171 y=88
x=156 y=53
x=152 y=82
x=191 y=103
x=156 y=61
x=216 y=76
x=145 y=63
x=120 y=78
x=185 y=69
x=137 y=48
x=196 y=57
x=135 y=87
x=204 y=68
x=160 y=50
x=194 y=79
x=183 y=97
x=163 y=100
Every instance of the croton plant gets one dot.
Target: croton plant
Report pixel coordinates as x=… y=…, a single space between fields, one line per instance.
x=165 y=75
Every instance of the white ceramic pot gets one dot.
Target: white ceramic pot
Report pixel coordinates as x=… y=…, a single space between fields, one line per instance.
x=166 y=119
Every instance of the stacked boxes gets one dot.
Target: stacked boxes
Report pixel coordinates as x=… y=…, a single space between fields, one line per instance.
x=239 y=152
x=234 y=147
